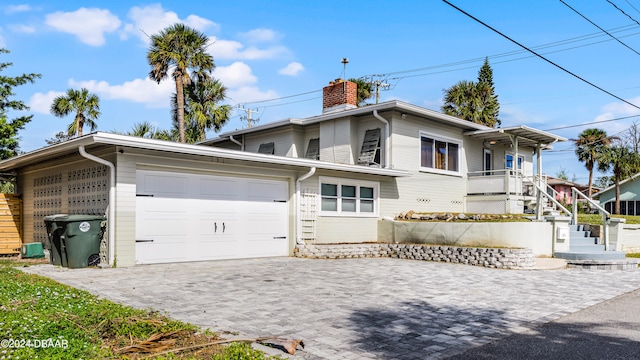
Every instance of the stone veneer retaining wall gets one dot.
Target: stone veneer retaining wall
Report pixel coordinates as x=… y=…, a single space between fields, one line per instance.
x=487 y=257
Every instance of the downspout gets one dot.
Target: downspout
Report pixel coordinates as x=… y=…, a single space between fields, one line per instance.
x=237 y=142
x=111 y=219
x=298 y=218
x=386 y=138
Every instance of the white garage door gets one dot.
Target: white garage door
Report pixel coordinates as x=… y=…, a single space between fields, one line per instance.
x=188 y=217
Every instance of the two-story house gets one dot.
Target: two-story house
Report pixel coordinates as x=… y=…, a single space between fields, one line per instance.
x=256 y=192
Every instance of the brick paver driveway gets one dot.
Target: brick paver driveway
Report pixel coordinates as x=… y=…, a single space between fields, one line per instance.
x=355 y=308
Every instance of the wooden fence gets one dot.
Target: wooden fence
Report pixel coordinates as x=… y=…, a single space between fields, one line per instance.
x=10 y=224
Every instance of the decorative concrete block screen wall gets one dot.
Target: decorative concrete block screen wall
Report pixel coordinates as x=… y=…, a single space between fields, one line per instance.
x=83 y=190
x=486 y=257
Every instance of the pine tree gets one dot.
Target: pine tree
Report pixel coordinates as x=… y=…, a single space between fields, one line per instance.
x=492 y=107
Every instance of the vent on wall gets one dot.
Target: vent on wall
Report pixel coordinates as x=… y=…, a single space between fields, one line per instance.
x=266 y=148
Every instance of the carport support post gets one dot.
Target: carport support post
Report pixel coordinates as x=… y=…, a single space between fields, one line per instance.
x=111 y=219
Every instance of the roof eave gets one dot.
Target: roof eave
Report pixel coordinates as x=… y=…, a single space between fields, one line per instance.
x=167 y=146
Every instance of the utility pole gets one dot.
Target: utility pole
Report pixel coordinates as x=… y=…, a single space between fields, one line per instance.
x=379 y=84
x=249 y=117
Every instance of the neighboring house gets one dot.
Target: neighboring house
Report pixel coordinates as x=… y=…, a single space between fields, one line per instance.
x=629 y=196
x=561 y=189
x=255 y=192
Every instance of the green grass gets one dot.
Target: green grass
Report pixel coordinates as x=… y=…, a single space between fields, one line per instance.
x=633 y=255
x=77 y=325
x=596 y=219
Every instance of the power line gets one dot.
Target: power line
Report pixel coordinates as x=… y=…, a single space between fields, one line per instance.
x=541 y=57
x=622 y=11
x=591 y=123
x=601 y=29
x=280 y=98
x=516 y=52
x=475 y=60
x=632 y=6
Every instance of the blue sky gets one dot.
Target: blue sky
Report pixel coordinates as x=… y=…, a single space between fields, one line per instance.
x=266 y=50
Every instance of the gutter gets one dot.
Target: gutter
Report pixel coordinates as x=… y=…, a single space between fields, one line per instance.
x=298 y=206
x=111 y=218
x=237 y=142
x=386 y=137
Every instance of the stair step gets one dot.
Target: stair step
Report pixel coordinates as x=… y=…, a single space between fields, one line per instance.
x=595 y=255
x=579 y=233
x=584 y=241
x=586 y=248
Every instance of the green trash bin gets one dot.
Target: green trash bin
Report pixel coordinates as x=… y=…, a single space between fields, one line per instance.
x=55 y=230
x=75 y=239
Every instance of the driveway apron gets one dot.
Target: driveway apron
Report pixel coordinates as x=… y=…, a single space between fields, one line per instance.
x=355 y=308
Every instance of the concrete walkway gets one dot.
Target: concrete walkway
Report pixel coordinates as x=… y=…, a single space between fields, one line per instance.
x=355 y=308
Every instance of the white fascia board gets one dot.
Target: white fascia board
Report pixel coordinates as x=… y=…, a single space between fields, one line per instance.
x=388 y=105
x=169 y=146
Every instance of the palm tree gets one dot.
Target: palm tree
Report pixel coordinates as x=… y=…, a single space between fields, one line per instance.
x=589 y=145
x=473 y=101
x=83 y=103
x=624 y=163
x=364 y=90
x=180 y=48
x=202 y=109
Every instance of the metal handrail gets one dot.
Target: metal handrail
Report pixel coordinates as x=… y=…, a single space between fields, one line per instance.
x=605 y=214
x=553 y=200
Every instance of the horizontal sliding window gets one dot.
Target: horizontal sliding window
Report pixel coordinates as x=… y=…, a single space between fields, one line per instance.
x=348 y=197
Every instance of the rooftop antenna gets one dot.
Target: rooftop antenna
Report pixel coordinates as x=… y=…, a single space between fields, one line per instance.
x=344 y=62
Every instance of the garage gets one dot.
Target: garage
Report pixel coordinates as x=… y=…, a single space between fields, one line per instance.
x=192 y=217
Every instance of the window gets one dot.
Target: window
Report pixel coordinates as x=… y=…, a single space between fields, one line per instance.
x=313 y=149
x=266 y=148
x=509 y=161
x=348 y=197
x=441 y=155
x=370 y=152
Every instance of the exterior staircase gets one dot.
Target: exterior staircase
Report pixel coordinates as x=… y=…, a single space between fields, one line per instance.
x=586 y=252
x=583 y=246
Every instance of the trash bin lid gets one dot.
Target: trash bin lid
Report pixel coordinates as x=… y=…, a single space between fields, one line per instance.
x=78 y=217
x=54 y=217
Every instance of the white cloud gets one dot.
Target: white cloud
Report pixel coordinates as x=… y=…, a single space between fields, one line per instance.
x=41 y=103
x=234 y=50
x=235 y=75
x=89 y=25
x=20 y=28
x=250 y=94
x=622 y=109
x=259 y=35
x=143 y=91
x=12 y=9
x=150 y=20
x=292 y=69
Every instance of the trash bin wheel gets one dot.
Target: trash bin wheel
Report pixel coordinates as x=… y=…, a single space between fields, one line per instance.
x=94 y=260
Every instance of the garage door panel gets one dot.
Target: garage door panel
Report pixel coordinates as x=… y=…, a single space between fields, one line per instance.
x=162 y=249
x=267 y=191
x=163 y=185
x=217 y=218
x=226 y=189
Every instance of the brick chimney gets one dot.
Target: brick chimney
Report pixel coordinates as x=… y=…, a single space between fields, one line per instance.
x=339 y=95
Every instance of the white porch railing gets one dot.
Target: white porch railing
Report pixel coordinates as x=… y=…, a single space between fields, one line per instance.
x=503 y=181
